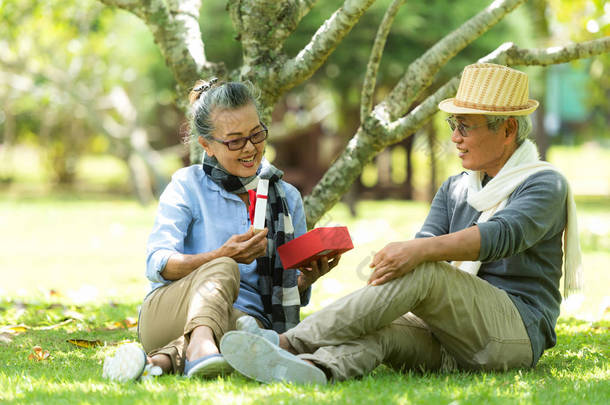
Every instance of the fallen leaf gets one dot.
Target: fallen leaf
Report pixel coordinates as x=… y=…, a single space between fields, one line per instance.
x=15 y=329
x=85 y=343
x=114 y=325
x=130 y=322
x=126 y=323
x=39 y=354
x=57 y=325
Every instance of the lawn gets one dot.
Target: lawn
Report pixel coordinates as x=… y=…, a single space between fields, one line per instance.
x=72 y=268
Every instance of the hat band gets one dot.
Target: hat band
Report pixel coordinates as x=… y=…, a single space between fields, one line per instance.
x=488 y=107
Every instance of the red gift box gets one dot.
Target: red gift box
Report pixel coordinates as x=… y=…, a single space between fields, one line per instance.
x=323 y=241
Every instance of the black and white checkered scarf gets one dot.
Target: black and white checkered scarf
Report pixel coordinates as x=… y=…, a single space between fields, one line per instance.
x=277 y=287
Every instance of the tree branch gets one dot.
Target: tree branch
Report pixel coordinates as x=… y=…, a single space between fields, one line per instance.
x=264 y=25
x=175 y=28
x=323 y=43
x=374 y=135
x=420 y=73
x=511 y=55
x=337 y=180
x=133 y=6
x=292 y=14
x=370 y=78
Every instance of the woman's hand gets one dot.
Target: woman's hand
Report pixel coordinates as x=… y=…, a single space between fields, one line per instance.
x=245 y=247
x=395 y=260
x=315 y=270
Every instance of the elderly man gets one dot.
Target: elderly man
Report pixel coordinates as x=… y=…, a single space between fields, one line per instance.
x=477 y=289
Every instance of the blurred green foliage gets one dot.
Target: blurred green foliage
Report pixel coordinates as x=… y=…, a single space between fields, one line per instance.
x=60 y=62
x=585 y=20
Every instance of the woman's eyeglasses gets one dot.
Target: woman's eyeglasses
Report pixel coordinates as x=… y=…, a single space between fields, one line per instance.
x=239 y=143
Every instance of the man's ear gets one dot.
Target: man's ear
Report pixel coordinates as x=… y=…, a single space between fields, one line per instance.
x=206 y=146
x=511 y=127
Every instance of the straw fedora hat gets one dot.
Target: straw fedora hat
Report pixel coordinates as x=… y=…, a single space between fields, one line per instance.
x=490 y=89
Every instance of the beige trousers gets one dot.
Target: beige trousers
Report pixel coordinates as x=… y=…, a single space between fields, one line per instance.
x=203 y=298
x=434 y=318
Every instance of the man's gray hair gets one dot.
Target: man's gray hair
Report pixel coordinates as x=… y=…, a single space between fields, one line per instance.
x=524 y=125
x=226 y=96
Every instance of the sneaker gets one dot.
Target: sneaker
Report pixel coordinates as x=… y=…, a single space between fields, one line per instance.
x=127 y=363
x=209 y=366
x=248 y=324
x=259 y=359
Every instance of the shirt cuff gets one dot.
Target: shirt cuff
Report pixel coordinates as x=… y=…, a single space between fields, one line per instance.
x=156 y=264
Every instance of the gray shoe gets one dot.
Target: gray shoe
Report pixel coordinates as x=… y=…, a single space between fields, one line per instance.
x=210 y=366
x=257 y=358
x=248 y=324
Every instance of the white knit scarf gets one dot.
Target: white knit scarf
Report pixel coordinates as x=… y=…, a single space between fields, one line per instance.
x=492 y=198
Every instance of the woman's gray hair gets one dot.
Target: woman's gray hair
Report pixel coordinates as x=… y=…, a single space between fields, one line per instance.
x=209 y=96
x=524 y=125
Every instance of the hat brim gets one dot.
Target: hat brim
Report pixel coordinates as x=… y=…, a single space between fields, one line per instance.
x=449 y=106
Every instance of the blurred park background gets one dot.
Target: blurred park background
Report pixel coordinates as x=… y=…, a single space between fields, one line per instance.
x=90 y=134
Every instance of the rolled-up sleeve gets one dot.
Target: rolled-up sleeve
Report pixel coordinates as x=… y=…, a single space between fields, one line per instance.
x=540 y=201
x=169 y=231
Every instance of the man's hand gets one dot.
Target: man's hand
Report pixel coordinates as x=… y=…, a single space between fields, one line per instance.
x=315 y=270
x=245 y=247
x=395 y=260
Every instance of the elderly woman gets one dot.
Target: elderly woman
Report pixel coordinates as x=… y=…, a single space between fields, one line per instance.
x=207 y=265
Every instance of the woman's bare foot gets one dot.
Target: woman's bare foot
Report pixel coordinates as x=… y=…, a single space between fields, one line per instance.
x=161 y=360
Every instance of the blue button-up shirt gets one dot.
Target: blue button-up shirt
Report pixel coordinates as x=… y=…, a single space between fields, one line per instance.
x=195 y=215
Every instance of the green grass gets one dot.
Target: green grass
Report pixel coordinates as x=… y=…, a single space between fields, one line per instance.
x=78 y=258
x=575 y=371
x=66 y=257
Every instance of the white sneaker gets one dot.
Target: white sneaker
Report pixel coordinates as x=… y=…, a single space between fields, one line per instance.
x=248 y=324
x=257 y=358
x=127 y=364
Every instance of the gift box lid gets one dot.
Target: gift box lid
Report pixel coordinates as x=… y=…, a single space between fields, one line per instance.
x=322 y=241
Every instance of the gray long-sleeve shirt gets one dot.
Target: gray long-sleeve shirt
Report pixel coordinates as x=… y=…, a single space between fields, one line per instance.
x=520 y=246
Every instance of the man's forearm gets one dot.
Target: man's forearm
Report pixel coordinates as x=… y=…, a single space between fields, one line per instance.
x=461 y=245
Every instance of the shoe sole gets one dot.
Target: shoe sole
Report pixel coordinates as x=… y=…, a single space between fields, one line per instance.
x=258 y=359
x=123 y=374
x=212 y=368
x=248 y=324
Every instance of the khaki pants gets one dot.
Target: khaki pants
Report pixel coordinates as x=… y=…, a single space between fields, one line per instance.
x=203 y=298
x=434 y=318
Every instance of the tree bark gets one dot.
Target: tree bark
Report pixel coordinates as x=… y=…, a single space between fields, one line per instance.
x=370 y=77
